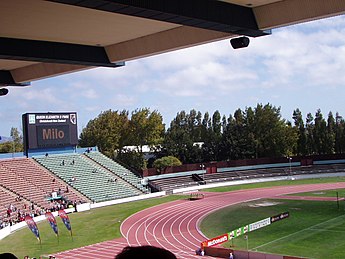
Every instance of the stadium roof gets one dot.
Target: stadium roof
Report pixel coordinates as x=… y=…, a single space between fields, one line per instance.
x=40 y=39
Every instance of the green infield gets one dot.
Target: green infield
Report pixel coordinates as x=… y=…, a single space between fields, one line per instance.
x=323 y=193
x=315 y=229
x=276 y=183
x=88 y=228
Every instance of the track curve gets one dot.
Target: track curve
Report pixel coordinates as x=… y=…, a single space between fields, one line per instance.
x=174 y=225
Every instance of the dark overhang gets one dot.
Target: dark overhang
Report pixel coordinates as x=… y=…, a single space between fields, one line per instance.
x=205 y=14
x=119 y=30
x=6 y=79
x=54 y=52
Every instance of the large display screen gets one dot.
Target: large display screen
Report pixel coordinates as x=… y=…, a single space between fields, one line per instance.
x=50 y=130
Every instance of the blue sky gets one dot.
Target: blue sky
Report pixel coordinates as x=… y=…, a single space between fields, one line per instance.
x=300 y=66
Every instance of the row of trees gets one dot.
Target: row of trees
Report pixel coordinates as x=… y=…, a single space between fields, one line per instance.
x=318 y=135
x=252 y=133
x=195 y=137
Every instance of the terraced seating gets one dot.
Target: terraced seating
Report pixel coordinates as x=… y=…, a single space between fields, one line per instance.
x=8 y=198
x=16 y=183
x=118 y=169
x=316 y=169
x=338 y=167
x=89 y=178
x=169 y=184
x=43 y=180
x=221 y=177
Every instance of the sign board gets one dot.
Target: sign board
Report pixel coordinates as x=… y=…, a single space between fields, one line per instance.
x=238 y=232
x=49 y=130
x=215 y=241
x=259 y=224
x=279 y=217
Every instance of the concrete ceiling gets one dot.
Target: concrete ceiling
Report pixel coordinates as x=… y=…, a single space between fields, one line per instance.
x=40 y=39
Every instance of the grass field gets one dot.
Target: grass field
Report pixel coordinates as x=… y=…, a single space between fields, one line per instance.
x=324 y=193
x=314 y=229
x=104 y=224
x=88 y=228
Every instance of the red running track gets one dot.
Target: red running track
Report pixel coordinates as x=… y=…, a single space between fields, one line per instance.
x=174 y=225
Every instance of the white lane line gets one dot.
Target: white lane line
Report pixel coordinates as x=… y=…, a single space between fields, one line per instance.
x=300 y=231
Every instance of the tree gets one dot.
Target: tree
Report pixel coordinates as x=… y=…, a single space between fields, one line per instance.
x=269 y=131
x=206 y=124
x=109 y=131
x=166 y=161
x=310 y=145
x=320 y=133
x=224 y=123
x=290 y=140
x=179 y=138
x=234 y=138
x=194 y=125
x=339 y=134
x=301 y=145
x=6 y=147
x=249 y=125
x=330 y=135
x=17 y=140
x=146 y=128
x=133 y=159
x=212 y=137
x=216 y=124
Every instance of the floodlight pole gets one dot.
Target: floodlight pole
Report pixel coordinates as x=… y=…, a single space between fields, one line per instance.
x=202 y=166
x=290 y=158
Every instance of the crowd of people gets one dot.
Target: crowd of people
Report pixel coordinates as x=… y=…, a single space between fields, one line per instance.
x=19 y=209
x=16 y=212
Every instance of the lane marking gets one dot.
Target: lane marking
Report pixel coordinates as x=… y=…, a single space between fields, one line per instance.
x=300 y=231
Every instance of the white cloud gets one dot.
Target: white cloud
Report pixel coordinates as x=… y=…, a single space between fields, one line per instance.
x=124 y=100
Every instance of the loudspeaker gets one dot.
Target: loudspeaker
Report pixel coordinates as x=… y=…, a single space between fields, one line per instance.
x=3 y=91
x=241 y=42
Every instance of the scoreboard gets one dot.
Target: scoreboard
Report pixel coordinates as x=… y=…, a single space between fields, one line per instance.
x=49 y=130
